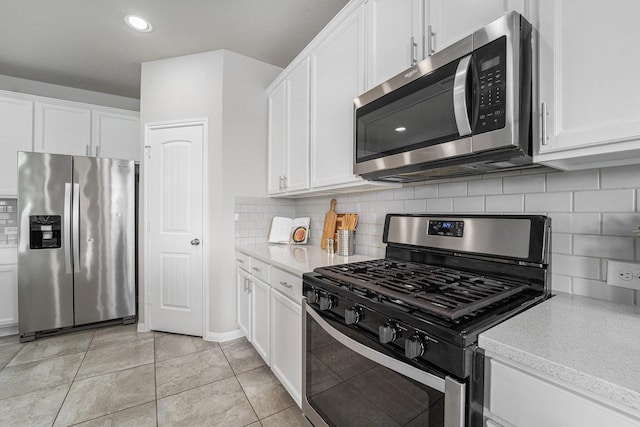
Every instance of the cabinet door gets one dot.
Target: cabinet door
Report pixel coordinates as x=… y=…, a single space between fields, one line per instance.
x=286 y=343
x=260 y=318
x=116 y=135
x=588 y=81
x=243 y=292
x=276 y=155
x=62 y=129
x=297 y=177
x=8 y=295
x=16 y=134
x=395 y=38
x=451 y=20
x=337 y=78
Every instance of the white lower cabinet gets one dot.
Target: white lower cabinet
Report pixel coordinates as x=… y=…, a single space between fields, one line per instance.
x=286 y=337
x=8 y=291
x=260 y=317
x=270 y=316
x=516 y=396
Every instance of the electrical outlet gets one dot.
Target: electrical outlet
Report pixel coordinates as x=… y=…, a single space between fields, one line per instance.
x=623 y=274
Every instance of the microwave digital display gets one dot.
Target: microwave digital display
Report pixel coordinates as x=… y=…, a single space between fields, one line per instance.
x=485 y=65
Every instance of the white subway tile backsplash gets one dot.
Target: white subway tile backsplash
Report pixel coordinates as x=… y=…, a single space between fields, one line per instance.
x=605 y=201
x=593 y=215
x=620 y=224
x=473 y=204
x=506 y=203
x=484 y=187
x=523 y=184
x=560 y=283
x=415 y=206
x=575 y=266
x=547 y=202
x=428 y=191
x=600 y=290
x=572 y=181
x=561 y=243
x=452 y=189
x=440 y=205
x=621 y=177
x=604 y=246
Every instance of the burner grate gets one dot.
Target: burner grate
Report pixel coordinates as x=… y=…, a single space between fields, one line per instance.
x=442 y=291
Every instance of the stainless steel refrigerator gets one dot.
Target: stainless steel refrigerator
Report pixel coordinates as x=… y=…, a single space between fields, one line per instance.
x=76 y=245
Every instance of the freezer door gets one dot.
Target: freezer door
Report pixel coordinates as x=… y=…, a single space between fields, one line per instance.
x=45 y=279
x=104 y=252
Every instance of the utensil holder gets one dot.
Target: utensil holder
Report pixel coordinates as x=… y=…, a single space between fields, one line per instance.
x=346 y=242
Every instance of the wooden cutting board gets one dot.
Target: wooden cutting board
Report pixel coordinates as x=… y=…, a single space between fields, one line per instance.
x=329 y=224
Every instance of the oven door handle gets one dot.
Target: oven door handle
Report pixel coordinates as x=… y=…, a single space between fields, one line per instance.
x=423 y=377
x=460 y=96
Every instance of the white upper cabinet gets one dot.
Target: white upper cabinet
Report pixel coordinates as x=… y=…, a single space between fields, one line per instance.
x=337 y=78
x=116 y=134
x=62 y=129
x=452 y=20
x=288 y=156
x=589 y=113
x=16 y=134
x=395 y=37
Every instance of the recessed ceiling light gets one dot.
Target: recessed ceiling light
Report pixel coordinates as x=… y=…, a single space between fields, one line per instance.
x=401 y=129
x=138 y=23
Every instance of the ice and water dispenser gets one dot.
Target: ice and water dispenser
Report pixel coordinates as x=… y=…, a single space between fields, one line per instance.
x=45 y=231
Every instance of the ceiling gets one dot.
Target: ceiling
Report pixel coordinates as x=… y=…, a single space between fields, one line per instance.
x=85 y=43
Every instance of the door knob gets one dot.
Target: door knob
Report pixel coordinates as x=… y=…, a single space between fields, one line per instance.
x=195 y=242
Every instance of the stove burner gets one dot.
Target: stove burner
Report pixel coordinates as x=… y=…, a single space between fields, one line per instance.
x=442 y=291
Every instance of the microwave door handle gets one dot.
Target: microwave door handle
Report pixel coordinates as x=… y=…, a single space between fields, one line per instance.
x=460 y=96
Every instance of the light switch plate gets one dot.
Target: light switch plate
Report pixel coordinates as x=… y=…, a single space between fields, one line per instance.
x=623 y=274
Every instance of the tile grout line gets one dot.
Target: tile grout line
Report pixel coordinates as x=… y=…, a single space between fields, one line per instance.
x=241 y=388
x=155 y=378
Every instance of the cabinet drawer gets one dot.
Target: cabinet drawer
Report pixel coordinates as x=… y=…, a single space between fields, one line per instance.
x=243 y=261
x=260 y=270
x=287 y=284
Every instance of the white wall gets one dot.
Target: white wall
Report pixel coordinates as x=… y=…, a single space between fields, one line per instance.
x=229 y=90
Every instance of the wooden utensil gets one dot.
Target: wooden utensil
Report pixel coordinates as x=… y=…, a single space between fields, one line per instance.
x=329 y=224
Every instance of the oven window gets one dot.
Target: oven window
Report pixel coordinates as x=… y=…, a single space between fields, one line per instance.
x=419 y=114
x=347 y=389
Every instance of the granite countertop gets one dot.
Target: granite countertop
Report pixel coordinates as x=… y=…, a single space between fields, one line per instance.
x=591 y=344
x=297 y=259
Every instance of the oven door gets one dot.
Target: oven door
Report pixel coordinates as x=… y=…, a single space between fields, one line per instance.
x=349 y=381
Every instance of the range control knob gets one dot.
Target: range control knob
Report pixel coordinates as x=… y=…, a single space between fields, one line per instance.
x=353 y=315
x=312 y=295
x=414 y=346
x=327 y=302
x=388 y=333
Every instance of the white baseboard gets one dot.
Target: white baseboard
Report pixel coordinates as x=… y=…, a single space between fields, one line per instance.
x=223 y=336
x=142 y=327
x=8 y=330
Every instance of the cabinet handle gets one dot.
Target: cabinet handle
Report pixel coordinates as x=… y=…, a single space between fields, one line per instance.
x=256 y=269
x=240 y=261
x=430 y=41
x=98 y=151
x=88 y=152
x=286 y=285
x=284 y=182
x=414 y=48
x=544 y=113
x=280 y=185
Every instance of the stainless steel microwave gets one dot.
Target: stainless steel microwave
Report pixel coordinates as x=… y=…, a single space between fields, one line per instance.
x=464 y=110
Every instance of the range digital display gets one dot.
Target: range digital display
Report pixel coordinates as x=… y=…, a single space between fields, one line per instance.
x=446 y=228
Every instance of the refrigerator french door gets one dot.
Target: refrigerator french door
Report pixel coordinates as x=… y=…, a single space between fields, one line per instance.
x=76 y=245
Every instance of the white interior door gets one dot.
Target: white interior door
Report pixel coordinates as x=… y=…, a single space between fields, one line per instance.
x=175 y=212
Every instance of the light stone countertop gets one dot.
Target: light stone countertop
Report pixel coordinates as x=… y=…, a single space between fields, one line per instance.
x=591 y=344
x=296 y=259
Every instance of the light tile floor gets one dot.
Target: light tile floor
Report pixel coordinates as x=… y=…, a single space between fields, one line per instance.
x=117 y=376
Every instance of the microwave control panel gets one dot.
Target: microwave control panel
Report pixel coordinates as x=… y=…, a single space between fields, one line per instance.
x=490 y=63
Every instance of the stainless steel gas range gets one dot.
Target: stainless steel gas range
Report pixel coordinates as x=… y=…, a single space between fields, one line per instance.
x=394 y=341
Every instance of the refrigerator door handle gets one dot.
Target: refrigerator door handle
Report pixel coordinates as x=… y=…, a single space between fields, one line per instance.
x=76 y=227
x=67 y=227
